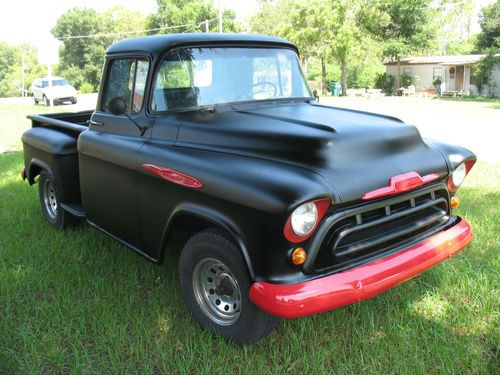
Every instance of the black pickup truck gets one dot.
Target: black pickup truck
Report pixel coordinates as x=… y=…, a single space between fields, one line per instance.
x=295 y=208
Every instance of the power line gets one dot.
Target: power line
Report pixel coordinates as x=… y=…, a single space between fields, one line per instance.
x=187 y=26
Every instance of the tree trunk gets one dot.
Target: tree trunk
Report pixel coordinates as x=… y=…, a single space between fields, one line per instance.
x=323 y=76
x=343 y=64
x=305 y=66
x=398 y=76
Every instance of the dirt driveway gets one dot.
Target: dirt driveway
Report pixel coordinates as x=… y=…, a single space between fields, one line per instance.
x=473 y=125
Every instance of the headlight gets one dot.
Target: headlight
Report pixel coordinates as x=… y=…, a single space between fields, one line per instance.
x=304 y=219
x=458 y=176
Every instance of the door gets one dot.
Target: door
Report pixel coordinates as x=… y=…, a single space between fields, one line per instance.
x=459 y=77
x=451 y=78
x=108 y=153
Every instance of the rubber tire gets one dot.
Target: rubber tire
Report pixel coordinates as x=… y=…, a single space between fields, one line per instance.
x=46 y=101
x=74 y=101
x=34 y=99
x=253 y=324
x=63 y=219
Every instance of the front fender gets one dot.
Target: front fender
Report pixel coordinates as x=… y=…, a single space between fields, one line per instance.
x=454 y=155
x=216 y=219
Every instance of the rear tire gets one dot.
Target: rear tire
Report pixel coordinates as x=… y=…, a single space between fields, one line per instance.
x=215 y=284
x=51 y=205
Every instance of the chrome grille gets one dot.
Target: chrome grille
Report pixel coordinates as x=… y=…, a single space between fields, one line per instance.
x=372 y=229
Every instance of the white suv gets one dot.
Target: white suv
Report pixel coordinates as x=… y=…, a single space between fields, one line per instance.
x=60 y=92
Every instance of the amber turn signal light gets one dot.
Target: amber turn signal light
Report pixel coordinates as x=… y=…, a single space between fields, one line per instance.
x=299 y=256
x=455 y=202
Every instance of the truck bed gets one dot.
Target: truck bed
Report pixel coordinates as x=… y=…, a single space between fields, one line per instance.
x=51 y=145
x=72 y=121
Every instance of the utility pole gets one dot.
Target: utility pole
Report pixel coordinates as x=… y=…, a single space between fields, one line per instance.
x=49 y=71
x=220 y=16
x=23 y=67
x=207 y=30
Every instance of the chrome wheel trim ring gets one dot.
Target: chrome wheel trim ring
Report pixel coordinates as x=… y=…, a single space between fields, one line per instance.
x=217 y=291
x=50 y=199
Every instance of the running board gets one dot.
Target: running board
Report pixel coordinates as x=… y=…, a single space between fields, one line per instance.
x=74 y=210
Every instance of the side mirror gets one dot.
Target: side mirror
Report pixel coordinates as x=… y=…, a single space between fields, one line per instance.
x=117 y=106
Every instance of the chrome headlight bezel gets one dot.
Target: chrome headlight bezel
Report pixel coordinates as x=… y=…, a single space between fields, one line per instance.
x=304 y=219
x=458 y=175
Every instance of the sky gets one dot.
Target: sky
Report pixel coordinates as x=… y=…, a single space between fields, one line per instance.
x=31 y=20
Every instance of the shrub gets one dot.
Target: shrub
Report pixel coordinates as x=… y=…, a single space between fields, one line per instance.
x=405 y=80
x=483 y=72
x=385 y=82
x=86 y=88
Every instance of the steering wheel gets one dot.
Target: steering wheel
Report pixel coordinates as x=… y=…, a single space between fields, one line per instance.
x=263 y=90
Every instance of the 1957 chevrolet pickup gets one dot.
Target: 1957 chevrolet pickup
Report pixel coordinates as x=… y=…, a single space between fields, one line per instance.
x=295 y=208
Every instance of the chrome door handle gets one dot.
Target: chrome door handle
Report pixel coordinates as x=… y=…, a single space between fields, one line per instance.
x=95 y=123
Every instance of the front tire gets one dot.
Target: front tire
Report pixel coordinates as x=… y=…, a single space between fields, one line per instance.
x=35 y=101
x=46 y=101
x=51 y=206
x=215 y=285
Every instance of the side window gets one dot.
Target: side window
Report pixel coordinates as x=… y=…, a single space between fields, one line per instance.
x=140 y=85
x=126 y=79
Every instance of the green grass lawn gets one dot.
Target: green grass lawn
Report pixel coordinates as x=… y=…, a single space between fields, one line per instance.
x=495 y=102
x=78 y=302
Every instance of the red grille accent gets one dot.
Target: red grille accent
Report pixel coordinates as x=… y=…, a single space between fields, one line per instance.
x=400 y=184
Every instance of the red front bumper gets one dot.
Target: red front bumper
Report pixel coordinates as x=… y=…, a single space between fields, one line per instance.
x=363 y=282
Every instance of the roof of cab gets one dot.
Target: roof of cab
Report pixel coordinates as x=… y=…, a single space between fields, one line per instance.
x=160 y=43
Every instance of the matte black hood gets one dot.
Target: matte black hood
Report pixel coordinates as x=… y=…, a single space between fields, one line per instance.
x=354 y=151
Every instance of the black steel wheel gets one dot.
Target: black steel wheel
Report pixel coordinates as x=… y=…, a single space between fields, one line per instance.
x=215 y=284
x=49 y=200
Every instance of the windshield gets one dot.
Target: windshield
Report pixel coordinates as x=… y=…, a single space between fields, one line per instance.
x=194 y=77
x=55 y=82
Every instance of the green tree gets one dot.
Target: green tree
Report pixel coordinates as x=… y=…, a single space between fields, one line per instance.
x=489 y=37
x=124 y=22
x=452 y=20
x=324 y=31
x=349 y=39
x=192 y=13
x=403 y=27
x=7 y=58
x=86 y=34
x=16 y=78
x=81 y=56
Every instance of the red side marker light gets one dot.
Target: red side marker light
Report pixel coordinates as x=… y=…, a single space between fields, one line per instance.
x=401 y=183
x=174 y=176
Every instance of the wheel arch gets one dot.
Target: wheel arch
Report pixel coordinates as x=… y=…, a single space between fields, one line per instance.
x=201 y=218
x=35 y=167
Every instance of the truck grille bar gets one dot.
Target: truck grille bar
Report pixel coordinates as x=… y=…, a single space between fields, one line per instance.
x=367 y=231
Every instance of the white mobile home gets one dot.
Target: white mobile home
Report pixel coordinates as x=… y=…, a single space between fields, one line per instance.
x=455 y=72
